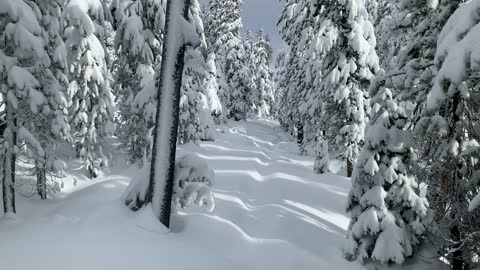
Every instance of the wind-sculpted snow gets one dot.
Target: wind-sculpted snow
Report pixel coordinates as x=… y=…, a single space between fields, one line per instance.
x=271 y=212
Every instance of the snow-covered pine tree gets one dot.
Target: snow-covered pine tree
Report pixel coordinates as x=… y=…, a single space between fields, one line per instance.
x=224 y=39
x=90 y=98
x=195 y=120
x=159 y=188
x=30 y=92
x=296 y=29
x=138 y=44
x=334 y=47
x=450 y=121
x=52 y=126
x=211 y=89
x=349 y=62
x=388 y=217
x=264 y=83
x=321 y=156
x=250 y=62
x=282 y=80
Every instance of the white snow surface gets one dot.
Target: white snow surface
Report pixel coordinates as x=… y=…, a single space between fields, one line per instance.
x=271 y=212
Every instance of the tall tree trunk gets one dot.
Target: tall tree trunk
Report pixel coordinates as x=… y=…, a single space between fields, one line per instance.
x=349 y=168
x=457 y=256
x=160 y=188
x=300 y=139
x=41 y=180
x=9 y=164
x=450 y=187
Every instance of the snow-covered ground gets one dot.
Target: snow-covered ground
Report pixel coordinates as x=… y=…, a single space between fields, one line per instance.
x=272 y=212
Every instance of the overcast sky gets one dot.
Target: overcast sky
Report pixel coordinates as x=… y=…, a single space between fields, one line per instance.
x=261 y=14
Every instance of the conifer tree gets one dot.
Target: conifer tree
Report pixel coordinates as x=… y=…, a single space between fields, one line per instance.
x=224 y=18
x=449 y=121
x=262 y=73
x=91 y=101
x=195 y=120
x=31 y=92
x=211 y=89
x=52 y=127
x=333 y=45
x=253 y=96
x=389 y=218
x=138 y=44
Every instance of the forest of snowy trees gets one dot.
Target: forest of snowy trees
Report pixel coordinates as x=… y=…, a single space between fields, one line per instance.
x=389 y=88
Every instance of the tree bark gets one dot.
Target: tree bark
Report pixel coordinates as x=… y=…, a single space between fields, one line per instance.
x=160 y=188
x=9 y=164
x=349 y=168
x=41 y=180
x=457 y=256
x=300 y=139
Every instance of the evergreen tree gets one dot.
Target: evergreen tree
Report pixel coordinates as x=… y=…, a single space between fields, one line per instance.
x=253 y=97
x=321 y=157
x=282 y=81
x=349 y=63
x=224 y=39
x=52 y=126
x=211 y=89
x=138 y=44
x=91 y=101
x=389 y=218
x=333 y=51
x=195 y=120
x=31 y=92
x=449 y=122
x=262 y=76
x=295 y=25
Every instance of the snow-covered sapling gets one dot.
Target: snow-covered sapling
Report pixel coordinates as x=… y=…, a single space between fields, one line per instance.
x=321 y=157
x=193 y=182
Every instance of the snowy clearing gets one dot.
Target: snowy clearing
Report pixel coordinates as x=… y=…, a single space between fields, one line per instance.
x=272 y=212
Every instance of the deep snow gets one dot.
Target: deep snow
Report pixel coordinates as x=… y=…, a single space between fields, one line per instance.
x=272 y=212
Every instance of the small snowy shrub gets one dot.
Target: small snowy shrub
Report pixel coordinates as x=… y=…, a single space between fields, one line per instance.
x=193 y=182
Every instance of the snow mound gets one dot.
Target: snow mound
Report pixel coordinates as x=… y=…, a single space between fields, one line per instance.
x=237 y=130
x=193 y=182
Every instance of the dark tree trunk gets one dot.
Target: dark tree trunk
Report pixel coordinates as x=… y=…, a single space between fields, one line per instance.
x=300 y=139
x=160 y=187
x=8 y=183
x=457 y=255
x=41 y=180
x=349 y=168
x=450 y=187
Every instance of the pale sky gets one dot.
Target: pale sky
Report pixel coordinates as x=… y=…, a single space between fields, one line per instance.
x=261 y=14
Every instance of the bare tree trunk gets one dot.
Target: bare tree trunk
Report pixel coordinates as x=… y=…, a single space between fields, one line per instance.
x=301 y=139
x=160 y=188
x=349 y=168
x=457 y=256
x=41 y=180
x=9 y=164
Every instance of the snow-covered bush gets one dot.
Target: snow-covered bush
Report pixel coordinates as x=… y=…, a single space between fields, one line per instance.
x=193 y=183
